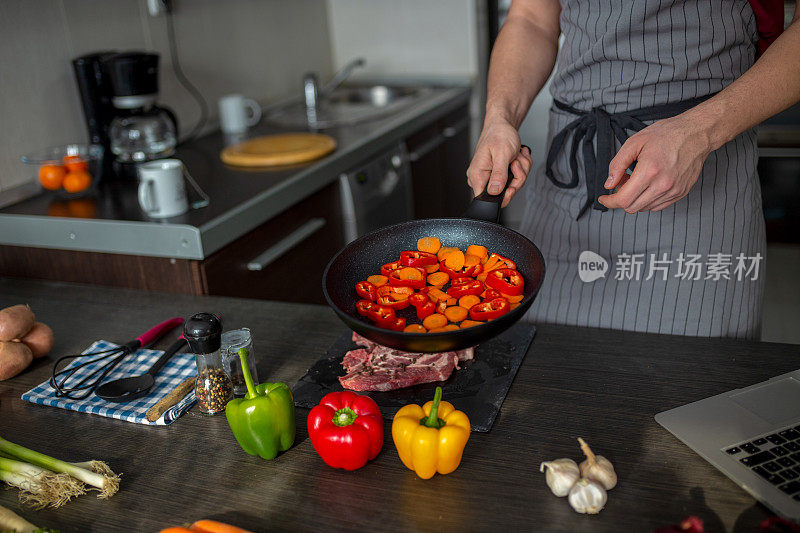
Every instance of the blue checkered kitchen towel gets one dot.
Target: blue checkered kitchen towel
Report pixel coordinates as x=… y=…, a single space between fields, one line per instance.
x=177 y=369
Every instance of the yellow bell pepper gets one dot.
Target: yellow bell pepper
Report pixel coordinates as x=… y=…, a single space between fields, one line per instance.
x=430 y=438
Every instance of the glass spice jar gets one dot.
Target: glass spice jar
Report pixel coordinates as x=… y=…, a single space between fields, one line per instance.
x=213 y=386
x=232 y=342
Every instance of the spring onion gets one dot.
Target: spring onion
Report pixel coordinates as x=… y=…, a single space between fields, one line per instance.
x=103 y=480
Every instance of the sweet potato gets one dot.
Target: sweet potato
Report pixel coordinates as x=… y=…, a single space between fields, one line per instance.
x=39 y=339
x=15 y=322
x=14 y=358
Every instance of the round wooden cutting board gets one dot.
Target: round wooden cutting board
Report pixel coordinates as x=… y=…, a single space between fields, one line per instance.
x=278 y=150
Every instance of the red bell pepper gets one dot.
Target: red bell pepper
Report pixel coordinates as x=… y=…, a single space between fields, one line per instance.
x=346 y=429
x=425 y=310
x=396 y=298
x=491 y=294
x=506 y=280
x=465 y=286
x=364 y=306
x=489 y=309
x=399 y=324
x=414 y=258
x=382 y=316
x=388 y=267
x=408 y=277
x=419 y=299
x=496 y=261
x=367 y=290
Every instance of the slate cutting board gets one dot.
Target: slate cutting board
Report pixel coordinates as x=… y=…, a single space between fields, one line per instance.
x=478 y=388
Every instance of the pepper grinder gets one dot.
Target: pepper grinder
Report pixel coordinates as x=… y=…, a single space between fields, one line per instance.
x=213 y=386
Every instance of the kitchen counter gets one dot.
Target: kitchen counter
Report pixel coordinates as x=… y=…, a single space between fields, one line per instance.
x=603 y=385
x=240 y=199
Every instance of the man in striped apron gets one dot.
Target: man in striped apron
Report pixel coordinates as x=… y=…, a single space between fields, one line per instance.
x=672 y=91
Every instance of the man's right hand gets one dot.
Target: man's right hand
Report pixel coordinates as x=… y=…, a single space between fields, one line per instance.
x=498 y=148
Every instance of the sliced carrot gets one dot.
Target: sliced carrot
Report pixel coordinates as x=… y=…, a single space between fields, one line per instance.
x=212 y=526
x=429 y=244
x=378 y=280
x=455 y=260
x=430 y=269
x=471 y=260
x=448 y=327
x=470 y=323
x=409 y=273
x=414 y=328
x=513 y=299
x=468 y=301
x=478 y=251
x=456 y=313
x=514 y=305
x=438 y=294
x=444 y=252
x=434 y=321
x=438 y=279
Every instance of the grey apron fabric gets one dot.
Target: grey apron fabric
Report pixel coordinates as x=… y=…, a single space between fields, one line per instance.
x=625 y=55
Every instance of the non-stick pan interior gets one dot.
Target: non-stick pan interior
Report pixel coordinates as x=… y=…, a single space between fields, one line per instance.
x=365 y=256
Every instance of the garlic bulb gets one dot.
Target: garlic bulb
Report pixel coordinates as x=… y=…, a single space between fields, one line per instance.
x=561 y=475
x=597 y=468
x=587 y=496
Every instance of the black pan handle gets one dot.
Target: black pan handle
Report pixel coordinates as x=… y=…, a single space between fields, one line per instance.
x=486 y=206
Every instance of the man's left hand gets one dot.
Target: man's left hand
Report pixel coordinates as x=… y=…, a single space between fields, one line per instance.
x=669 y=156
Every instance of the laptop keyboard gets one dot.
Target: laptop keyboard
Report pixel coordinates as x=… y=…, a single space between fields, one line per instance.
x=775 y=457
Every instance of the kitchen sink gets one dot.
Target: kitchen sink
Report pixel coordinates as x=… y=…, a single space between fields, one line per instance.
x=347 y=105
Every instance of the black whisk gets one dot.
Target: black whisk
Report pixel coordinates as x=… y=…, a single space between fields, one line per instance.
x=86 y=385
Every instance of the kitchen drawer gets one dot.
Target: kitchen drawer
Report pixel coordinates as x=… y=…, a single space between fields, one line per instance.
x=284 y=258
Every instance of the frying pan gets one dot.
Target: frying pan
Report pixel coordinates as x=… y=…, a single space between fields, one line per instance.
x=364 y=257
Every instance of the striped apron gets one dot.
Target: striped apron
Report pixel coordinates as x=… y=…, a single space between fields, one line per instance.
x=694 y=268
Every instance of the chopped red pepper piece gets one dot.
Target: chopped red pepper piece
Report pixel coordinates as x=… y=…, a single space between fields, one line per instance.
x=464 y=272
x=394 y=297
x=506 y=280
x=389 y=267
x=367 y=290
x=489 y=309
x=425 y=310
x=464 y=286
x=417 y=259
x=364 y=306
x=496 y=261
x=382 y=316
x=419 y=299
x=491 y=294
x=399 y=324
x=408 y=277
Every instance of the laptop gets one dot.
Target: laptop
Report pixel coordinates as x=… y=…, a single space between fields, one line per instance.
x=752 y=435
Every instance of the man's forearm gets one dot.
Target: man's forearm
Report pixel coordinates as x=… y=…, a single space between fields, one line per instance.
x=771 y=85
x=522 y=60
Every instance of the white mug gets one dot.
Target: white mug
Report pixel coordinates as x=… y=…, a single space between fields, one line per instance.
x=162 y=192
x=233 y=113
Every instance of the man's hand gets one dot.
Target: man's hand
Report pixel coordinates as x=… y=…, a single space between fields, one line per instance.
x=499 y=147
x=669 y=156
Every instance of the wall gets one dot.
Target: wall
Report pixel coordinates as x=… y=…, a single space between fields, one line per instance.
x=224 y=46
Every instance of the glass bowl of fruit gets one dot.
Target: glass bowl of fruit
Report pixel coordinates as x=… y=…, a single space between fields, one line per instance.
x=69 y=170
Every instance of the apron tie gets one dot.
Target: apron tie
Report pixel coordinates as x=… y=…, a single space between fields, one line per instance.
x=607 y=128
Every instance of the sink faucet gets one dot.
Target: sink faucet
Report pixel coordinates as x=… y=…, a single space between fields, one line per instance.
x=312 y=93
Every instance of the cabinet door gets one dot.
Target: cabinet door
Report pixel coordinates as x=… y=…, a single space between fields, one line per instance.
x=284 y=258
x=439 y=156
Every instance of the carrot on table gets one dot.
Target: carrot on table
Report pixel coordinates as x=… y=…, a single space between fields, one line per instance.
x=434 y=321
x=455 y=260
x=470 y=323
x=456 y=313
x=378 y=280
x=414 y=328
x=438 y=279
x=468 y=301
x=429 y=244
x=479 y=251
x=178 y=529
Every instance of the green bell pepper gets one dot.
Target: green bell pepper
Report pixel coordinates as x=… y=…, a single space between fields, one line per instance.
x=263 y=421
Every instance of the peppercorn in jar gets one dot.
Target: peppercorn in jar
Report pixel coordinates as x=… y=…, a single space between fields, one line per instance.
x=213 y=386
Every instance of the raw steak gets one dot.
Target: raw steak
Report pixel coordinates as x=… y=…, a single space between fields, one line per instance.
x=379 y=368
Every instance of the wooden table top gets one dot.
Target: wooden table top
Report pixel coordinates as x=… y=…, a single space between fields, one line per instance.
x=603 y=385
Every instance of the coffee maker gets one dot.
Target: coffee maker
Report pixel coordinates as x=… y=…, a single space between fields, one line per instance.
x=119 y=93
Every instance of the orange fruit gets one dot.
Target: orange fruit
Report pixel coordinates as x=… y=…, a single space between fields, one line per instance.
x=77 y=181
x=51 y=176
x=74 y=163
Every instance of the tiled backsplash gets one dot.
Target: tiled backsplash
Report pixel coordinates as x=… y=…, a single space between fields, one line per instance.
x=259 y=48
